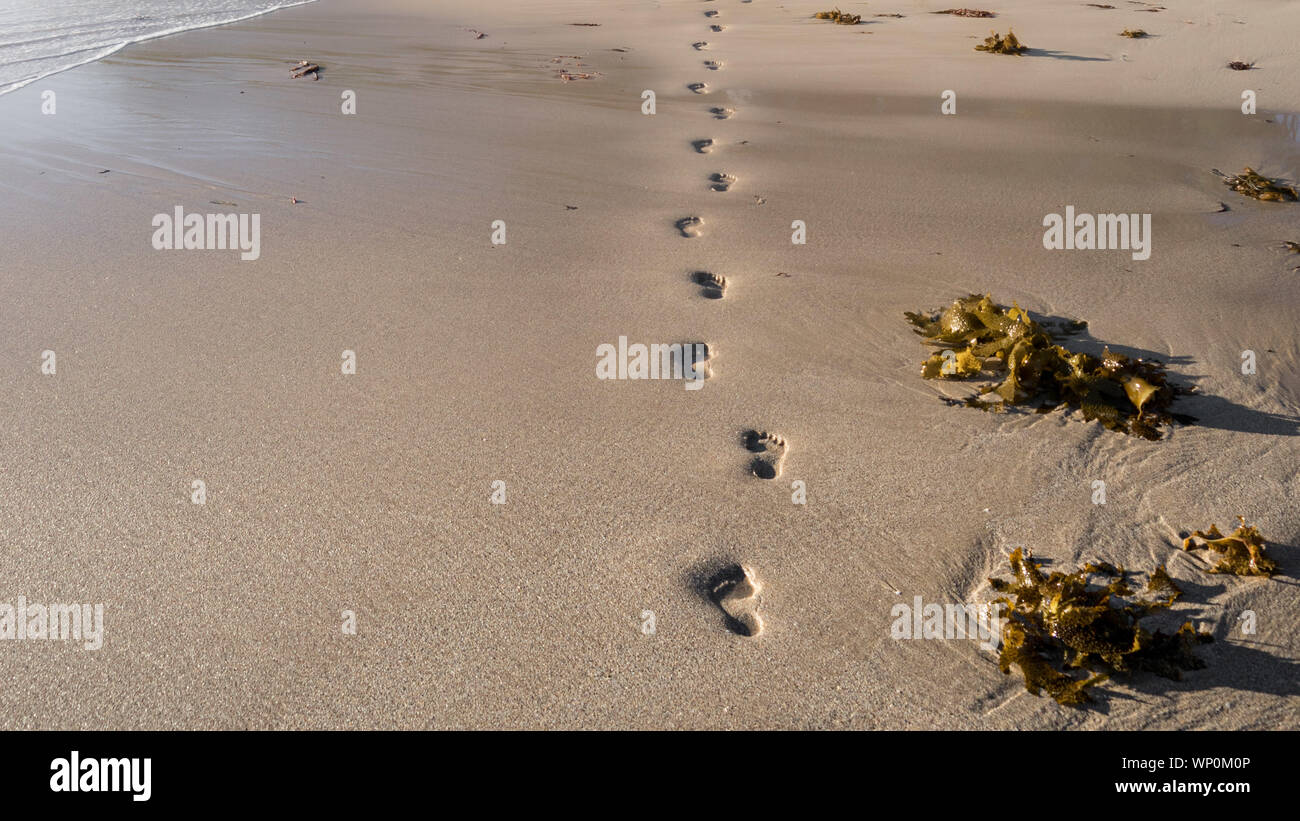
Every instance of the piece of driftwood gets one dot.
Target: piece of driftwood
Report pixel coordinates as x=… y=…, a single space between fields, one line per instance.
x=303 y=68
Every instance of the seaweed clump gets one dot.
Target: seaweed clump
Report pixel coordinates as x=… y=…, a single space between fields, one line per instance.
x=1135 y=34
x=980 y=338
x=1242 y=551
x=997 y=44
x=839 y=17
x=1062 y=622
x=967 y=13
x=1254 y=184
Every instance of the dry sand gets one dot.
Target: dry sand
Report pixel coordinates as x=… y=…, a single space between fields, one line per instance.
x=476 y=362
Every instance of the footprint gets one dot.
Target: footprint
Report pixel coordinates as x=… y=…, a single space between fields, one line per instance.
x=700 y=46
x=710 y=13
x=690 y=226
x=713 y=65
x=722 y=113
x=697 y=360
x=703 y=146
x=699 y=88
x=770 y=450
x=716 y=27
x=721 y=181
x=734 y=589
x=712 y=285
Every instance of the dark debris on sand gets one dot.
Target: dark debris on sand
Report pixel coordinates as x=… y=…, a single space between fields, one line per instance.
x=981 y=339
x=1088 y=621
x=997 y=44
x=966 y=13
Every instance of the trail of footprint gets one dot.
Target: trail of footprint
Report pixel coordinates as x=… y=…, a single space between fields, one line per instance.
x=700 y=46
x=690 y=226
x=770 y=450
x=734 y=589
x=699 y=88
x=716 y=27
x=721 y=181
x=703 y=146
x=720 y=113
x=713 y=65
x=712 y=286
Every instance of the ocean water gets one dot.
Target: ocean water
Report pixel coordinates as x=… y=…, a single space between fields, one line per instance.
x=42 y=37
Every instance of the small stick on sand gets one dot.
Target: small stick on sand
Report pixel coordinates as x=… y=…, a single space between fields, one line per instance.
x=303 y=68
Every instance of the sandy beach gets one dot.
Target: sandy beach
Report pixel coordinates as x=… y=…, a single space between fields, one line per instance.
x=583 y=601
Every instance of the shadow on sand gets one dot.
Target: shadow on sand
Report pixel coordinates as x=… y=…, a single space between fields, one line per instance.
x=1207 y=411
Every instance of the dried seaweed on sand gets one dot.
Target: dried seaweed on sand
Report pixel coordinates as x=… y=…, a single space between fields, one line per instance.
x=1089 y=620
x=979 y=338
x=1251 y=183
x=997 y=44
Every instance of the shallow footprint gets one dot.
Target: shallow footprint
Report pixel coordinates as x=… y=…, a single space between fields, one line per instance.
x=699 y=88
x=700 y=46
x=713 y=65
x=697 y=360
x=735 y=591
x=710 y=13
x=722 y=113
x=690 y=226
x=712 y=285
x=703 y=146
x=716 y=27
x=771 y=453
x=721 y=181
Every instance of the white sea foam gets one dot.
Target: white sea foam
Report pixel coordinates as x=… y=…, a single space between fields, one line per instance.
x=43 y=37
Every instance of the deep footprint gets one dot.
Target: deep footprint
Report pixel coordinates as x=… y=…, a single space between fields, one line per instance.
x=722 y=113
x=710 y=13
x=735 y=591
x=721 y=181
x=703 y=146
x=770 y=450
x=713 y=286
x=690 y=226
x=713 y=65
x=699 y=88
x=700 y=46
x=716 y=27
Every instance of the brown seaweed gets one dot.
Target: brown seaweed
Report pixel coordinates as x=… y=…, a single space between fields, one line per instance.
x=1254 y=184
x=1242 y=551
x=980 y=338
x=966 y=13
x=839 y=17
x=1058 y=623
x=1237 y=65
x=1160 y=582
x=997 y=44
x=1135 y=34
